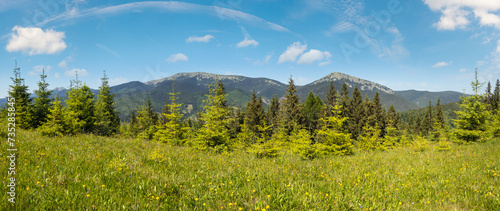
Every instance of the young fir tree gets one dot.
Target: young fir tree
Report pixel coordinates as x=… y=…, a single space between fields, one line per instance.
x=57 y=121
x=291 y=109
x=439 y=114
x=80 y=107
x=273 y=112
x=331 y=138
x=495 y=102
x=214 y=132
x=19 y=92
x=41 y=105
x=392 y=117
x=173 y=129
x=357 y=115
x=331 y=99
x=133 y=127
x=162 y=118
x=428 y=120
x=107 y=120
x=312 y=109
x=146 y=119
x=254 y=115
x=345 y=105
x=418 y=126
x=488 y=98
x=471 y=124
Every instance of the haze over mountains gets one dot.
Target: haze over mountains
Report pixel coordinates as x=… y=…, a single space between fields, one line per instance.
x=194 y=86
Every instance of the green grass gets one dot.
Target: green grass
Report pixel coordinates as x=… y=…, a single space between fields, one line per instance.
x=88 y=172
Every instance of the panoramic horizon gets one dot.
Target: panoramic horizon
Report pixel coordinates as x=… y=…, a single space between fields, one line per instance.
x=429 y=45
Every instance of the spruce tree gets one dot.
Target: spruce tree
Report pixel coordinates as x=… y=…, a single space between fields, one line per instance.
x=173 y=129
x=147 y=120
x=19 y=92
x=273 y=112
x=439 y=114
x=254 y=115
x=495 y=102
x=357 y=115
x=41 y=105
x=133 y=124
x=162 y=118
x=472 y=117
x=214 y=133
x=331 y=99
x=331 y=138
x=107 y=120
x=418 y=126
x=392 y=117
x=291 y=109
x=57 y=121
x=80 y=110
x=428 y=120
x=312 y=109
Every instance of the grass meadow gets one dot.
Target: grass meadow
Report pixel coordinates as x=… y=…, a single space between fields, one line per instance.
x=87 y=172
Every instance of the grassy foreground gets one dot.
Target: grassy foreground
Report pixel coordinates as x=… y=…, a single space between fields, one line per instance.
x=88 y=172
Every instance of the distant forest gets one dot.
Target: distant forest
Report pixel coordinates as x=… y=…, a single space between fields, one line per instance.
x=339 y=125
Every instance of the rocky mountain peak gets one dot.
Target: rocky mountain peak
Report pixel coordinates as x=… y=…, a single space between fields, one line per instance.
x=352 y=81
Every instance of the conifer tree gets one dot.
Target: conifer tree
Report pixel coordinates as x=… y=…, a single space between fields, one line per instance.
x=331 y=137
x=107 y=120
x=488 y=98
x=331 y=99
x=495 y=102
x=173 y=129
x=273 y=112
x=312 y=112
x=254 y=115
x=133 y=125
x=439 y=114
x=291 y=109
x=428 y=120
x=41 y=105
x=472 y=117
x=80 y=104
x=57 y=121
x=214 y=132
x=357 y=115
x=418 y=126
x=392 y=117
x=163 y=120
x=19 y=92
x=146 y=120
x=375 y=116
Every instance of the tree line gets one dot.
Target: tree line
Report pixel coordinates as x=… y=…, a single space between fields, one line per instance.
x=335 y=126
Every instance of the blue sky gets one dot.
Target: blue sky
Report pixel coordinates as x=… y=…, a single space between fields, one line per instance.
x=413 y=44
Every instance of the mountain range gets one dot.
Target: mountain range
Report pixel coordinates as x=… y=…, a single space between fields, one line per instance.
x=194 y=86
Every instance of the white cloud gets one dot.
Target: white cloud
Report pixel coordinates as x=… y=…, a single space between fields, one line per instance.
x=177 y=57
x=266 y=60
x=168 y=6
x=56 y=75
x=117 y=81
x=456 y=13
x=246 y=43
x=72 y=72
x=453 y=18
x=64 y=62
x=33 y=41
x=292 y=52
x=205 y=38
x=462 y=70
x=324 y=63
x=313 y=55
x=441 y=64
x=37 y=70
